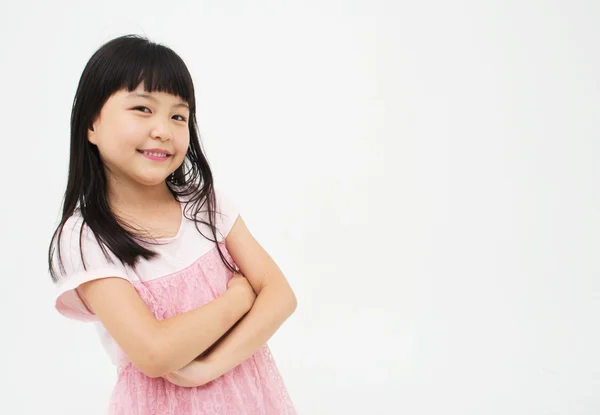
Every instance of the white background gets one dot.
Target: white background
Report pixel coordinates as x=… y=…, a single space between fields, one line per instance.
x=425 y=174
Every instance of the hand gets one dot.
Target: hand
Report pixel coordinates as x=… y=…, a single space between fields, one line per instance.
x=238 y=279
x=178 y=380
x=239 y=282
x=197 y=373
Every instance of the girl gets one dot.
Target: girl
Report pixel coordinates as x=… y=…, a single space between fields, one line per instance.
x=183 y=295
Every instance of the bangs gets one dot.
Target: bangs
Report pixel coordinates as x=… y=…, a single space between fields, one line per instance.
x=159 y=68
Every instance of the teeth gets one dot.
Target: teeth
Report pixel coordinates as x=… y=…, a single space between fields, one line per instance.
x=155 y=154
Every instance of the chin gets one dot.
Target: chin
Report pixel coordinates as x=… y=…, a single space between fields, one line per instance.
x=151 y=181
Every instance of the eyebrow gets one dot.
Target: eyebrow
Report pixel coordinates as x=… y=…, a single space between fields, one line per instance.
x=150 y=97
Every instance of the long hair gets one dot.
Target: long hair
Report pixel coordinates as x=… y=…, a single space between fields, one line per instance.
x=126 y=62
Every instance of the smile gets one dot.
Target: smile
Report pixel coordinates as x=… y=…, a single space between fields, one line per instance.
x=155 y=155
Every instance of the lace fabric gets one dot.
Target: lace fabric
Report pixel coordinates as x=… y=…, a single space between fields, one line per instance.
x=253 y=387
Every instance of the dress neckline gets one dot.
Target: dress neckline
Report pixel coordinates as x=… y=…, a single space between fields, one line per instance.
x=179 y=231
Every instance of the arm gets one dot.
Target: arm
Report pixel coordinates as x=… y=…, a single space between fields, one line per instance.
x=157 y=347
x=275 y=302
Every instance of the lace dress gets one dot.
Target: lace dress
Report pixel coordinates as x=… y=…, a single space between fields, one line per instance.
x=253 y=387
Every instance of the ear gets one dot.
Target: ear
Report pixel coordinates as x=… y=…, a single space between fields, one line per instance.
x=91 y=135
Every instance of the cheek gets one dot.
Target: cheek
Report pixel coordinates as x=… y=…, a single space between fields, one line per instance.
x=182 y=145
x=132 y=134
x=125 y=137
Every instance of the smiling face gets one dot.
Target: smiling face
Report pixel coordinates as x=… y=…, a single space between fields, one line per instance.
x=142 y=137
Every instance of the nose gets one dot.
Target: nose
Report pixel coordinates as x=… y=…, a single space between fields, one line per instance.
x=161 y=132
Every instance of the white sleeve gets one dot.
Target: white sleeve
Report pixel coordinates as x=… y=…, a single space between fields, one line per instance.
x=227 y=211
x=69 y=302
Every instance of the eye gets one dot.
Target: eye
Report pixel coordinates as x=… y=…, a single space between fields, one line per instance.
x=142 y=108
x=182 y=118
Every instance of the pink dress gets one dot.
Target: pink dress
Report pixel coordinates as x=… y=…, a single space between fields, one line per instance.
x=254 y=387
x=197 y=276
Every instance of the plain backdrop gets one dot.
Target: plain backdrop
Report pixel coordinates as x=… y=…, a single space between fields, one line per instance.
x=425 y=174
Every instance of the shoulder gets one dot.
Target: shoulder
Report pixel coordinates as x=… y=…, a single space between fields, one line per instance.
x=74 y=238
x=78 y=257
x=68 y=236
x=77 y=253
x=73 y=225
x=224 y=198
x=227 y=210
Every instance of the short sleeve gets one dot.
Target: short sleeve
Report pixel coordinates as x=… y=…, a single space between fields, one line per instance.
x=227 y=212
x=69 y=301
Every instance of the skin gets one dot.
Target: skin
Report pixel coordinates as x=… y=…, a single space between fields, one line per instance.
x=128 y=123
x=225 y=331
x=274 y=303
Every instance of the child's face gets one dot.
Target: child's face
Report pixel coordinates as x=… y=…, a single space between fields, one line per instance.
x=131 y=124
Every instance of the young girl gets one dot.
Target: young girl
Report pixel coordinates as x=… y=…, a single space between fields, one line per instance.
x=184 y=297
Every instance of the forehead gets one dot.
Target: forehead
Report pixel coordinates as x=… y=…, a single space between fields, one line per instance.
x=140 y=93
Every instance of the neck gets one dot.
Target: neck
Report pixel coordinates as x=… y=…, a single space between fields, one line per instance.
x=127 y=196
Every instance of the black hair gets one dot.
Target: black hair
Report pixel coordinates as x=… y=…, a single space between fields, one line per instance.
x=126 y=62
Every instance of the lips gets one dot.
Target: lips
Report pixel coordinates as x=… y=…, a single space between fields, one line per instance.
x=155 y=152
